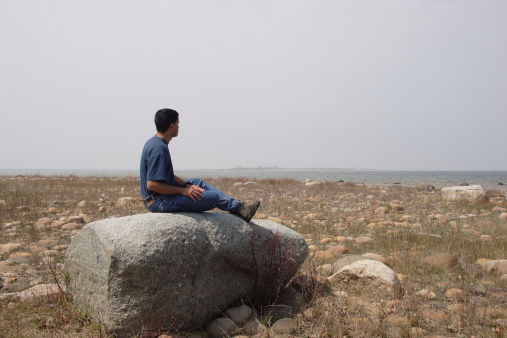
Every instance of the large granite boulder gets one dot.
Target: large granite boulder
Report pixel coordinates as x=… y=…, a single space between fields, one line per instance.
x=178 y=269
x=473 y=193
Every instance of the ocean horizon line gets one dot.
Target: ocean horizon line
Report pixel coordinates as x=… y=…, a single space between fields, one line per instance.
x=258 y=168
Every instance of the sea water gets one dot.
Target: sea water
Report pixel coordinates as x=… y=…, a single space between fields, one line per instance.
x=487 y=179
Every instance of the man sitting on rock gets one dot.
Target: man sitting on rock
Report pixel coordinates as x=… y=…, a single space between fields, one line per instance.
x=162 y=191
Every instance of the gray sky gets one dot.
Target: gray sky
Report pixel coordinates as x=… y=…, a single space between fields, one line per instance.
x=401 y=85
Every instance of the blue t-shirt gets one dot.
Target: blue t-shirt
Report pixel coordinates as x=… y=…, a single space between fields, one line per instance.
x=156 y=164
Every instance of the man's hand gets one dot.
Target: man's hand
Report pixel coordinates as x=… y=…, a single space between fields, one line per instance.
x=194 y=192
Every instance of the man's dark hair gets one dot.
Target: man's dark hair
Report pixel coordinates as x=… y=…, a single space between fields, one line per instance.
x=164 y=118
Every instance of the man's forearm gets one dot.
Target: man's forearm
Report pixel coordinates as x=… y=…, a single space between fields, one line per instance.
x=165 y=189
x=194 y=192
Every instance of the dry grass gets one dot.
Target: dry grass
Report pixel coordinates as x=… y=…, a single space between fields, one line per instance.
x=408 y=232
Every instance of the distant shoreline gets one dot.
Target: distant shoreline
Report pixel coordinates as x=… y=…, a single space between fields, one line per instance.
x=2 y=171
x=490 y=180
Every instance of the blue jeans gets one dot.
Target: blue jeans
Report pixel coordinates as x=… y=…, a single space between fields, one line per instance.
x=212 y=198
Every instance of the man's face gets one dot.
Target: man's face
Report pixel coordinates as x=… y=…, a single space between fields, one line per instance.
x=176 y=128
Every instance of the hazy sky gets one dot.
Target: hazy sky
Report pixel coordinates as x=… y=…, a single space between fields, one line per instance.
x=364 y=84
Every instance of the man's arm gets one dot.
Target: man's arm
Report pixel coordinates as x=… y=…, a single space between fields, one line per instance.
x=194 y=192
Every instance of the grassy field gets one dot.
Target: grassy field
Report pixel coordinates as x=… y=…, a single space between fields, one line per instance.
x=405 y=225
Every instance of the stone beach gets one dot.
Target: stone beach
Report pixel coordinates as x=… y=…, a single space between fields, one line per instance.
x=391 y=260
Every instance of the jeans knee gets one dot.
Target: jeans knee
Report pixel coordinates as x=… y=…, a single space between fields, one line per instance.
x=197 y=181
x=211 y=199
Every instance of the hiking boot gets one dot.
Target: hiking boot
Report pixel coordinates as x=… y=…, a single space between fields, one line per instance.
x=247 y=211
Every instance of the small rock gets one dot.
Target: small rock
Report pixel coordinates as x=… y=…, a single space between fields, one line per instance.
x=49 y=253
x=323 y=255
x=124 y=200
x=435 y=315
x=442 y=219
x=443 y=261
x=57 y=224
x=398 y=320
x=44 y=221
x=485 y=238
x=253 y=327
x=457 y=308
x=20 y=254
x=18 y=260
x=370 y=272
x=456 y=294
x=396 y=207
x=41 y=290
x=324 y=268
x=338 y=249
x=75 y=219
x=472 y=193
x=9 y=247
x=490 y=311
x=71 y=226
x=480 y=261
x=364 y=240
x=326 y=240
x=239 y=314
x=35 y=282
x=340 y=294
x=48 y=242
x=340 y=239
x=221 y=327
x=499 y=265
x=426 y=294
x=285 y=326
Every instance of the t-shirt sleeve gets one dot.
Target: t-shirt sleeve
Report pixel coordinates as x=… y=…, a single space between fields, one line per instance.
x=156 y=168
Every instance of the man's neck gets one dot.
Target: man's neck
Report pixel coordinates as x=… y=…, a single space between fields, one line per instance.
x=165 y=136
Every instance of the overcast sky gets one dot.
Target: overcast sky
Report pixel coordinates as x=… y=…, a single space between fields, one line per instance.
x=402 y=85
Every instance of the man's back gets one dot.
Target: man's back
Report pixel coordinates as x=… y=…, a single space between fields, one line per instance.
x=156 y=164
